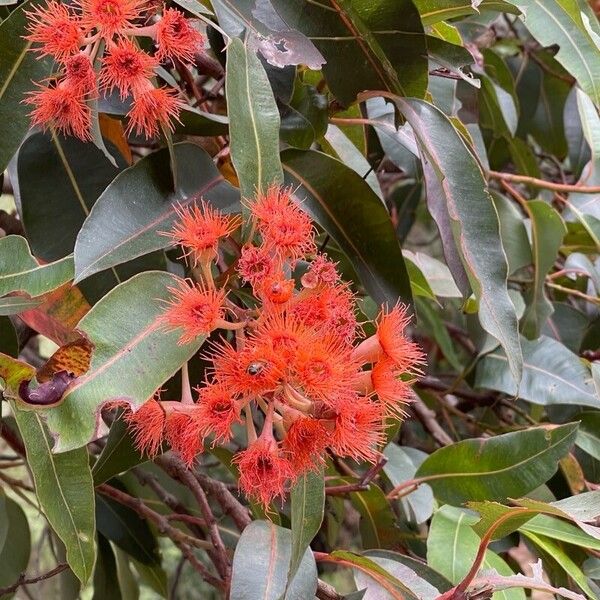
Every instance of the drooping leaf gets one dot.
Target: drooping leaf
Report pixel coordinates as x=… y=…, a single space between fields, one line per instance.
x=345 y=206
x=434 y=11
x=588 y=434
x=308 y=505
x=377 y=520
x=254 y=120
x=20 y=70
x=457 y=177
x=121 y=227
x=15 y=543
x=64 y=487
x=552 y=374
x=261 y=564
x=505 y=466
x=560 y=530
x=355 y=39
x=106 y=580
x=132 y=357
x=21 y=272
x=573 y=27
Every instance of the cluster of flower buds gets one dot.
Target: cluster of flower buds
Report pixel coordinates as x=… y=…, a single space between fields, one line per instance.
x=94 y=43
x=295 y=363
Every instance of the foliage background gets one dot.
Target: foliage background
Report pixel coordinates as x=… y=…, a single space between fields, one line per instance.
x=449 y=151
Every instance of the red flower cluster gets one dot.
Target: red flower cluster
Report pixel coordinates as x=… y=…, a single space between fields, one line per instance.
x=94 y=42
x=295 y=365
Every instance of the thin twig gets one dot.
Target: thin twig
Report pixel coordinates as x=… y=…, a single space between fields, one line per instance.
x=429 y=420
x=361 y=485
x=23 y=581
x=549 y=185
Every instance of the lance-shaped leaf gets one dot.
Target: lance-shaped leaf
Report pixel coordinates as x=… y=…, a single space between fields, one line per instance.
x=341 y=202
x=126 y=220
x=12 y=305
x=505 y=466
x=21 y=272
x=254 y=120
x=15 y=542
x=261 y=563
x=133 y=355
x=552 y=374
x=434 y=11
x=455 y=174
x=572 y=25
x=383 y=49
x=547 y=232
x=64 y=487
x=20 y=69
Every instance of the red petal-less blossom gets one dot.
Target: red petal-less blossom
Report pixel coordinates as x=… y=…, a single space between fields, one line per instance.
x=80 y=75
x=183 y=431
x=255 y=264
x=110 y=17
x=282 y=334
x=56 y=29
x=219 y=410
x=176 y=38
x=358 y=428
x=322 y=272
x=283 y=225
x=126 y=68
x=148 y=426
x=305 y=442
x=62 y=107
x=153 y=108
x=275 y=290
x=393 y=392
x=199 y=228
x=194 y=309
x=264 y=468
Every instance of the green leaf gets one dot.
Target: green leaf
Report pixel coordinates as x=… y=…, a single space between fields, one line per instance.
x=132 y=357
x=434 y=11
x=254 y=120
x=12 y=305
x=558 y=529
x=101 y=244
x=453 y=173
x=356 y=40
x=561 y=556
x=588 y=434
x=21 y=272
x=126 y=529
x=505 y=466
x=345 y=206
x=15 y=542
x=261 y=564
x=64 y=487
x=547 y=232
x=118 y=455
x=308 y=504
x=572 y=26
x=377 y=520
x=436 y=273
x=552 y=374
x=106 y=581
x=9 y=341
x=452 y=546
x=20 y=70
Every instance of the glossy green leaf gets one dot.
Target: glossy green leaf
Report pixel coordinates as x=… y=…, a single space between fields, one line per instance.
x=15 y=542
x=452 y=546
x=560 y=530
x=21 y=272
x=437 y=274
x=354 y=39
x=132 y=357
x=455 y=176
x=552 y=374
x=64 y=487
x=505 y=466
x=307 y=507
x=254 y=120
x=573 y=27
x=261 y=563
x=547 y=232
x=20 y=70
x=346 y=207
x=120 y=227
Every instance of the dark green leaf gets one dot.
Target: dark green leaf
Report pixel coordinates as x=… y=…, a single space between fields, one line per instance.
x=15 y=544
x=377 y=520
x=121 y=228
x=434 y=11
x=254 y=126
x=505 y=466
x=132 y=357
x=106 y=581
x=346 y=207
x=9 y=341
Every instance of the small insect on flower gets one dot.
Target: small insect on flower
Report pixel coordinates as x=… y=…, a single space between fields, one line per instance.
x=126 y=68
x=56 y=29
x=153 y=108
x=194 y=309
x=62 y=107
x=198 y=230
x=176 y=38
